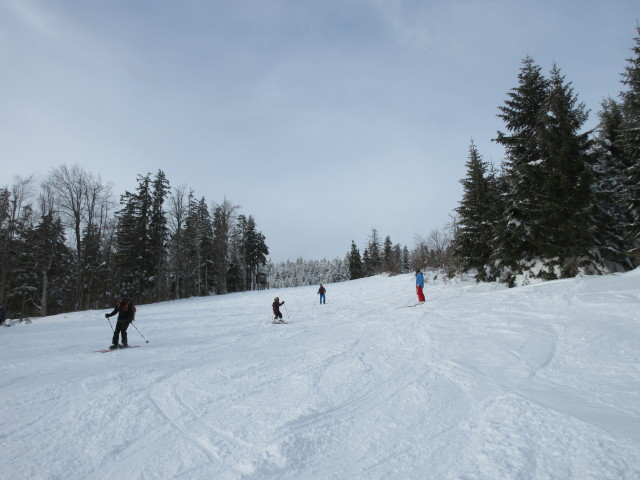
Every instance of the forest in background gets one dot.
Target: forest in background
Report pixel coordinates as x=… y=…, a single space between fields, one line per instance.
x=69 y=246
x=564 y=201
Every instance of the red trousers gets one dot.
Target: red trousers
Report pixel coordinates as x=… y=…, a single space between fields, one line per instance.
x=420 y=294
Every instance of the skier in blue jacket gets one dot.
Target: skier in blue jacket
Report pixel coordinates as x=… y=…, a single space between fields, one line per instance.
x=420 y=286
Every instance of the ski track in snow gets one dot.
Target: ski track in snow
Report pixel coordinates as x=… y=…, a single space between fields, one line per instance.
x=481 y=382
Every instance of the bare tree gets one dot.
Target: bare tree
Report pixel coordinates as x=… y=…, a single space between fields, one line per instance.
x=178 y=210
x=47 y=205
x=84 y=204
x=223 y=224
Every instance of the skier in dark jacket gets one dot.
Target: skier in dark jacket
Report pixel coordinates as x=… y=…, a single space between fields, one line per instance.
x=322 y=291
x=277 y=314
x=126 y=311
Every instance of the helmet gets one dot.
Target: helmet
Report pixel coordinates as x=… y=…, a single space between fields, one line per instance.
x=276 y=298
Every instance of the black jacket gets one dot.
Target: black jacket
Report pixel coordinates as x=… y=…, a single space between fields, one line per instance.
x=126 y=311
x=276 y=306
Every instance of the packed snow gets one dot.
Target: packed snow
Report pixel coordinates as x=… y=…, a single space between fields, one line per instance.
x=480 y=382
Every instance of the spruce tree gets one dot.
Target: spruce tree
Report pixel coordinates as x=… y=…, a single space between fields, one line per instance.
x=134 y=258
x=127 y=245
x=256 y=252
x=631 y=147
x=49 y=261
x=610 y=166
x=525 y=180
x=474 y=233
x=368 y=266
x=158 y=237
x=356 y=269
x=564 y=227
x=375 y=256
x=192 y=273
x=388 y=263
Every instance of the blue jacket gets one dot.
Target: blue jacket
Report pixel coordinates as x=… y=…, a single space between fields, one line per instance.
x=419 y=280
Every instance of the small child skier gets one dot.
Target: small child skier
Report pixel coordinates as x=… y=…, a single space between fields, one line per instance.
x=277 y=314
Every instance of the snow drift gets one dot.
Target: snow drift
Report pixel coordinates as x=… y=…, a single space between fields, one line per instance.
x=481 y=382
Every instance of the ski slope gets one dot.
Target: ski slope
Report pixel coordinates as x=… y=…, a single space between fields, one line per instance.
x=481 y=382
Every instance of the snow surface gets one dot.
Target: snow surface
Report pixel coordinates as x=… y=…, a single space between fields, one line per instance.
x=481 y=382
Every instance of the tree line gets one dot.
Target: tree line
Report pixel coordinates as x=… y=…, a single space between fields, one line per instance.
x=564 y=200
x=380 y=256
x=69 y=246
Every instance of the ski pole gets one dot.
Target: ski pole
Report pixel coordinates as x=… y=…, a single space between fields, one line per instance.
x=111 y=325
x=285 y=309
x=139 y=332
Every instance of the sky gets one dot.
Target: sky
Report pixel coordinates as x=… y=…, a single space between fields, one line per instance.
x=322 y=119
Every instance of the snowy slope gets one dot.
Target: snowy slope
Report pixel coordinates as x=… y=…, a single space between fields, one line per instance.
x=481 y=382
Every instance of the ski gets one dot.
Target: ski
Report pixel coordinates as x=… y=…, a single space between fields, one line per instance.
x=282 y=321
x=115 y=349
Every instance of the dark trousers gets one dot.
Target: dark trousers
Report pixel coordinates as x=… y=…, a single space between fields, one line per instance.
x=121 y=329
x=277 y=314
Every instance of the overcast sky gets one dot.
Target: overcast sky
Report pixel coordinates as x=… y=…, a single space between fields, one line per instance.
x=323 y=119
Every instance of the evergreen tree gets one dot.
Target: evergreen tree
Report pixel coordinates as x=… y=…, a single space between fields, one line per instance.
x=375 y=255
x=158 y=237
x=367 y=263
x=15 y=217
x=49 y=261
x=476 y=217
x=612 y=215
x=388 y=263
x=406 y=260
x=564 y=227
x=306 y=272
x=356 y=268
x=256 y=252
x=206 y=240
x=127 y=244
x=525 y=180
x=23 y=285
x=192 y=273
x=135 y=254
x=631 y=147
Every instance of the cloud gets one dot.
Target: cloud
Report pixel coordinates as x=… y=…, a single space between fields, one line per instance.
x=36 y=19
